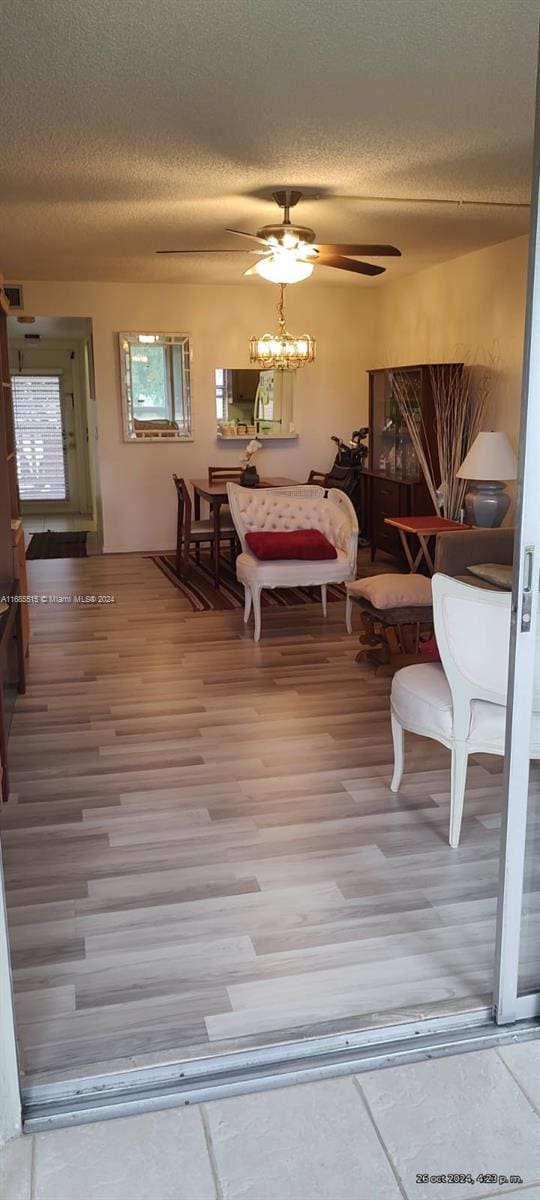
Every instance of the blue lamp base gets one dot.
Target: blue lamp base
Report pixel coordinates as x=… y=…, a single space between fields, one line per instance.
x=486 y=504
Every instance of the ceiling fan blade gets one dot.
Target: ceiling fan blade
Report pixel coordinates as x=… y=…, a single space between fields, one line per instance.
x=231 y=251
x=351 y=248
x=349 y=264
x=253 y=236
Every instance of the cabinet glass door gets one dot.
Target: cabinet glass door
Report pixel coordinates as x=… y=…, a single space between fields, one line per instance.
x=392 y=448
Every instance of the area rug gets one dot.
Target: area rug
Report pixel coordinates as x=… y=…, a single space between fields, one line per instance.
x=57 y=545
x=198 y=587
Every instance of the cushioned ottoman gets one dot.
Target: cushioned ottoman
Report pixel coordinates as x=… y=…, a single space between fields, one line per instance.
x=396 y=616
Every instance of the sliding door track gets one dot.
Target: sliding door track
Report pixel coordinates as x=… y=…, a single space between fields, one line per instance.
x=125 y=1093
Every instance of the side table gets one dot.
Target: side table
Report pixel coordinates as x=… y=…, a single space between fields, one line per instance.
x=422 y=528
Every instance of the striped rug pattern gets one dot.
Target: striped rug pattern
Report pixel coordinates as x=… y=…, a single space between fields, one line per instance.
x=198 y=587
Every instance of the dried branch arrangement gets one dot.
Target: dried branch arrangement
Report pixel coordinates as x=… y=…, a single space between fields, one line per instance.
x=459 y=398
x=459 y=408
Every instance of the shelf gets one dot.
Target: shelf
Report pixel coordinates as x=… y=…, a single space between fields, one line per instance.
x=392 y=433
x=260 y=437
x=392 y=477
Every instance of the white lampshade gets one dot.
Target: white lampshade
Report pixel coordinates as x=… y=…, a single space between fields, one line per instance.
x=284 y=267
x=490 y=457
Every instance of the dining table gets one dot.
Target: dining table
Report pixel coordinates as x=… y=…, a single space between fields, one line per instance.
x=214 y=492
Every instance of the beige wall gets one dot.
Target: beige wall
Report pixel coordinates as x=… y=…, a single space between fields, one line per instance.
x=331 y=396
x=472 y=307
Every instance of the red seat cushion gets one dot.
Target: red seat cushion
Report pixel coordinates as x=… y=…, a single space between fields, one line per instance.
x=290 y=543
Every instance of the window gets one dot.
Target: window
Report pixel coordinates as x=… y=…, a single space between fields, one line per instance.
x=223 y=392
x=155 y=386
x=39 y=437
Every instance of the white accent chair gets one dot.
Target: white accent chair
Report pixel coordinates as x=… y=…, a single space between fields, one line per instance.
x=461 y=702
x=302 y=507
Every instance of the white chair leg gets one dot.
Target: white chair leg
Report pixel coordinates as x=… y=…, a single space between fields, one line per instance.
x=348 y=614
x=247 y=602
x=323 y=598
x=256 y=596
x=399 y=756
x=460 y=755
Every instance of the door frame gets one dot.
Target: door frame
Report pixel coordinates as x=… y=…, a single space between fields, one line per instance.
x=10 y=1094
x=80 y=423
x=511 y=1018
x=509 y=1004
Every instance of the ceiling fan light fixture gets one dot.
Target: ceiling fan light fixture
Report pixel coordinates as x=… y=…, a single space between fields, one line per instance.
x=284 y=267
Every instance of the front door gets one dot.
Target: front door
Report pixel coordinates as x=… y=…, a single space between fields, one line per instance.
x=50 y=437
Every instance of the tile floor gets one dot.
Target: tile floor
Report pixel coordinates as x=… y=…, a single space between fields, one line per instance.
x=366 y=1137
x=63 y=522
x=60 y=522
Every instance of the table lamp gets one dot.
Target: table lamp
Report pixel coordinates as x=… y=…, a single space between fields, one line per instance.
x=490 y=459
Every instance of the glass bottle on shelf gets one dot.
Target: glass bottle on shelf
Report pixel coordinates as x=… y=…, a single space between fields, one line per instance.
x=410 y=461
x=399 y=455
x=392 y=450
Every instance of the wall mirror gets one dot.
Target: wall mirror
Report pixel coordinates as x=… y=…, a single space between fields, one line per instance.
x=251 y=401
x=155 y=388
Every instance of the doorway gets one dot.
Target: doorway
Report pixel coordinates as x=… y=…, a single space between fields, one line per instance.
x=51 y=371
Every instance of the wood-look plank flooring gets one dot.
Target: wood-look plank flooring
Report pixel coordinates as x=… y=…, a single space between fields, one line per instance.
x=201 y=850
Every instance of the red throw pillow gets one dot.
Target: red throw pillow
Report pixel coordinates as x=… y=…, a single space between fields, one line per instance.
x=293 y=543
x=430 y=650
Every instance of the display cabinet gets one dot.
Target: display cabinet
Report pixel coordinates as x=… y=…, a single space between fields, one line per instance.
x=393 y=482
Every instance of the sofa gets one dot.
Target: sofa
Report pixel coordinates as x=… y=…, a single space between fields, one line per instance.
x=456 y=551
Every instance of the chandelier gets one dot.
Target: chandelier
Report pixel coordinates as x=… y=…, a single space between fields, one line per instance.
x=282 y=350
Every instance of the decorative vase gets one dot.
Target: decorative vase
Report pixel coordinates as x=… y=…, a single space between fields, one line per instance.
x=249 y=476
x=486 y=503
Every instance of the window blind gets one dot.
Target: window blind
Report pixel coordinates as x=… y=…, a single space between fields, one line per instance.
x=39 y=437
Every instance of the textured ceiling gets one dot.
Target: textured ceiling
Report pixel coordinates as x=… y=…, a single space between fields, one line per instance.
x=130 y=126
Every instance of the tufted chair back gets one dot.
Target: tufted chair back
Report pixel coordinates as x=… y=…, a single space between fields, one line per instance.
x=301 y=507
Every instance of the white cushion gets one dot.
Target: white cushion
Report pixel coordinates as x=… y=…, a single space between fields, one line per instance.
x=392 y=591
x=292 y=572
x=421 y=699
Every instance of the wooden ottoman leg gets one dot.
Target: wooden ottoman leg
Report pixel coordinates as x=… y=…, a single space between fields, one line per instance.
x=370 y=636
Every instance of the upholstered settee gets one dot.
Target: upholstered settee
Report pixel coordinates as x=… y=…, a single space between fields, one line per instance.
x=292 y=508
x=460 y=549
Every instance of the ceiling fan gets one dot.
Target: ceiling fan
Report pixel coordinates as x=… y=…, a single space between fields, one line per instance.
x=290 y=251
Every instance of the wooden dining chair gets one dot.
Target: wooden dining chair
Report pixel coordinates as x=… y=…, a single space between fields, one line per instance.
x=190 y=532
x=224 y=474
